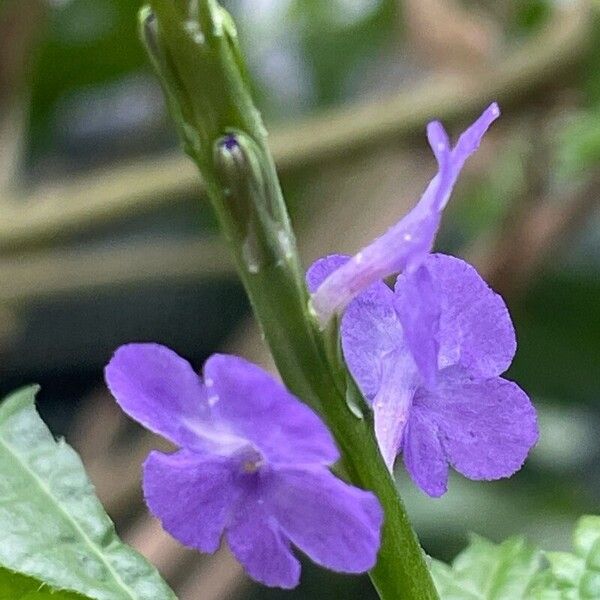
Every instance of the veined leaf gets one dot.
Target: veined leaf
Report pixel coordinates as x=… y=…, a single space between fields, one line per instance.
x=14 y=586
x=52 y=526
x=487 y=571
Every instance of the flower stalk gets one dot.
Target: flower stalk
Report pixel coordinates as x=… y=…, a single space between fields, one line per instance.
x=193 y=46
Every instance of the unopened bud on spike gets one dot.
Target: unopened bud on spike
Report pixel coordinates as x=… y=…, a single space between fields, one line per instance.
x=230 y=159
x=149 y=31
x=242 y=175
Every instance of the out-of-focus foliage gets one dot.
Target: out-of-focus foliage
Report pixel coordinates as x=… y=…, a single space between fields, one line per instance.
x=100 y=89
x=486 y=571
x=573 y=575
x=550 y=324
x=307 y=54
x=337 y=36
x=516 y=570
x=14 y=586
x=578 y=143
x=530 y=15
x=53 y=526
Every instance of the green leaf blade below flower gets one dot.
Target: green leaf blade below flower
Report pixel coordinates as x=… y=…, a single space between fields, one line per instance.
x=486 y=571
x=52 y=526
x=574 y=576
x=14 y=586
x=515 y=570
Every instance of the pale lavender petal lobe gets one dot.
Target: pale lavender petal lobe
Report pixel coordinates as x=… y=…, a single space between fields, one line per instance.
x=192 y=495
x=159 y=389
x=438 y=140
x=322 y=268
x=487 y=427
x=259 y=409
x=437 y=194
x=393 y=402
x=407 y=243
x=255 y=539
x=335 y=524
x=424 y=457
x=370 y=330
x=417 y=304
x=470 y=140
x=475 y=327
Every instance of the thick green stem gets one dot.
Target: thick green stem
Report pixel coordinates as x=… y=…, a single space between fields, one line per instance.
x=279 y=299
x=193 y=46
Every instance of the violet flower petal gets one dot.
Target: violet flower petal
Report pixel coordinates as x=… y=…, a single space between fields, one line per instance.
x=407 y=243
x=192 y=495
x=255 y=539
x=393 y=403
x=475 y=328
x=322 y=268
x=462 y=413
x=249 y=448
x=410 y=238
x=370 y=331
x=418 y=305
x=487 y=427
x=159 y=389
x=259 y=409
x=335 y=524
x=470 y=140
x=451 y=316
x=423 y=455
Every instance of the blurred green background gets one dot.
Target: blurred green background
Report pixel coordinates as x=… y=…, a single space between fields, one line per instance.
x=107 y=238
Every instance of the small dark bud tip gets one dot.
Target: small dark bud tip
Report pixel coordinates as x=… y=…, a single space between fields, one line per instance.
x=229 y=143
x=230 y=158
x=150 y=30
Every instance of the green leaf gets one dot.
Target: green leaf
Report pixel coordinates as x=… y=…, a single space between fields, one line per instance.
x=578 y=148
x=14 y=586
x=487 y=571
x=52 y=526
x=514 y=570
x=573 y=576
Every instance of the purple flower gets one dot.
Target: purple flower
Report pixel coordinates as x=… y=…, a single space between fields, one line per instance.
x=428 y=356
x=252 y=465
x=406 y=244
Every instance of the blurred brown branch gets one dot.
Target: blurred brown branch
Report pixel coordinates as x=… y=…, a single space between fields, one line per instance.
x=33 y=276
x=57 y=211
x=533 y=233
x=20 y=27
x=448 y=37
